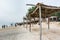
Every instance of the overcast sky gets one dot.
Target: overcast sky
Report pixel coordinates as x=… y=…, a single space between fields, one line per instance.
x=12 y=11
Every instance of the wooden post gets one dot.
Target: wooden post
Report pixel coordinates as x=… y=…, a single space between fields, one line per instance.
x=40 y=21
x=23 y=23
x=56 y=17
x=48 y=23
x=30 y=26
x=30 y=23
x=26 y=23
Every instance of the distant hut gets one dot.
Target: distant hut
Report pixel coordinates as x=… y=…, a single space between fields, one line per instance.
x=54 y=18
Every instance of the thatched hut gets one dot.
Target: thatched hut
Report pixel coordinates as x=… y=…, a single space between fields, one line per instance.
x=46 y=11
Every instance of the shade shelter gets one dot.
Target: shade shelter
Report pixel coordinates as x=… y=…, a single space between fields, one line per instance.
x=43 y=11
x=46 y=11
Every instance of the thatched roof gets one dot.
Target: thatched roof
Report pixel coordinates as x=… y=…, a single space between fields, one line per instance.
x=45 y=10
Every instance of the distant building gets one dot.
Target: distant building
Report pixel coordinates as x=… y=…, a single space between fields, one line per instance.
x=54 y=18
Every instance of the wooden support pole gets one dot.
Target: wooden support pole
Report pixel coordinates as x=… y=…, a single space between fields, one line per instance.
x=26 y=24
x=34 y=20
x=30 y=23
x=56 y=19
x=23 y=23
x=40 y=21
x=30 y=26
x=48 y=23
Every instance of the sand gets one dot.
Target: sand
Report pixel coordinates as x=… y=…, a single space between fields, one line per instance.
x=21 y=33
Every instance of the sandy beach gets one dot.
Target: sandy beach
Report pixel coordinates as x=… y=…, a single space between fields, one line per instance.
x=21 y=33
